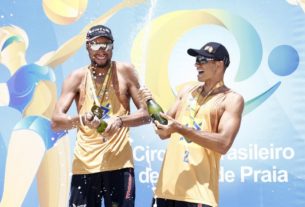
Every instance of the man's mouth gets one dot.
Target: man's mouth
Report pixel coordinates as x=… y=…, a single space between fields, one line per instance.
x=200 y=72
x=100 y=57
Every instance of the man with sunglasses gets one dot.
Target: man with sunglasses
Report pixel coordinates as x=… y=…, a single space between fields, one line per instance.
x=103 y=163
x=202 y=125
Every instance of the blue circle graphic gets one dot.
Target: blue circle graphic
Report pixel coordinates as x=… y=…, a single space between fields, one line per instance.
x=283 y=60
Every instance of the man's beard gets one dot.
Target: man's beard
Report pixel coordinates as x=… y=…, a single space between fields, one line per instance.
x=95 y=64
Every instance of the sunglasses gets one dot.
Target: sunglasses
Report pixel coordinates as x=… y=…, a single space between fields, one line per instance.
x=200 y=60
x=101 y=46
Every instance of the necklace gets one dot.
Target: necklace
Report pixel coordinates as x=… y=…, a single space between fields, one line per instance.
x=202 y=99
x=96 y=75
x=100 y=93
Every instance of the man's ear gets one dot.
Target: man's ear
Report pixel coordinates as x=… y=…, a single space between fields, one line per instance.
x=219 y=63
x=87 y=45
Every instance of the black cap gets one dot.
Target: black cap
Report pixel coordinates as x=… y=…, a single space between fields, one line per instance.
x=212 y=50
x=99 y=31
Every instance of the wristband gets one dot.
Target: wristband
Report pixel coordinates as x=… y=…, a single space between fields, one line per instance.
x=120 y=121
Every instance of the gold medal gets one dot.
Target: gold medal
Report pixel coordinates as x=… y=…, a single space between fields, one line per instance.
x=97 y=111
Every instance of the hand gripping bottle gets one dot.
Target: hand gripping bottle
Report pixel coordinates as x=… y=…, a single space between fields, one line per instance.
x=97 y=111
x=154 y=110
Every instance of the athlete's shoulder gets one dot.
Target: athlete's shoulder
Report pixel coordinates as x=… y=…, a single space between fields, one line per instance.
x=186 y=88
x=79 y=72
x=234 y=95
x=77 y=75
x=124 y=66
x=234 y=98
x=127 y=70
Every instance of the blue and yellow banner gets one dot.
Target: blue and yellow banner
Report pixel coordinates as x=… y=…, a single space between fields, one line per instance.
x=41 y=42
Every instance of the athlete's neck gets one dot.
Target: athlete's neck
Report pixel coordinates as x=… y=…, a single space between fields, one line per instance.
x=98 y=69
x=211 y=85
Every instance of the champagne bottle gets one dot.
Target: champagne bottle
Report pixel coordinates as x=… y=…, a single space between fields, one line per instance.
x=103 y=125
x=97 y=111
x=154 y=110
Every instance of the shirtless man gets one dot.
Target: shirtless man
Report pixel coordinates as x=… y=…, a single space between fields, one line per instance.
x=202 y=125
x=103 y=164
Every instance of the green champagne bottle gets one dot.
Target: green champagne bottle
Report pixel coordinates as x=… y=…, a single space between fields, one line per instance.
x=97 y=111
x=154 y=110
x=103 y=125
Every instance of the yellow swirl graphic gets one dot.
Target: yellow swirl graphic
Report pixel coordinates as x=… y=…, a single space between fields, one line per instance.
x=64 y=11
x=164 y=32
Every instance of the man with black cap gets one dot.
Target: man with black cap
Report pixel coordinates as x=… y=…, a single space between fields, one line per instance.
x=103 y=163
x=202 y=125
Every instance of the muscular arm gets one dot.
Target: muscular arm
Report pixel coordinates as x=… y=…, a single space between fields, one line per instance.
x=60 y=120
x=140 y=116
x=228 y=127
